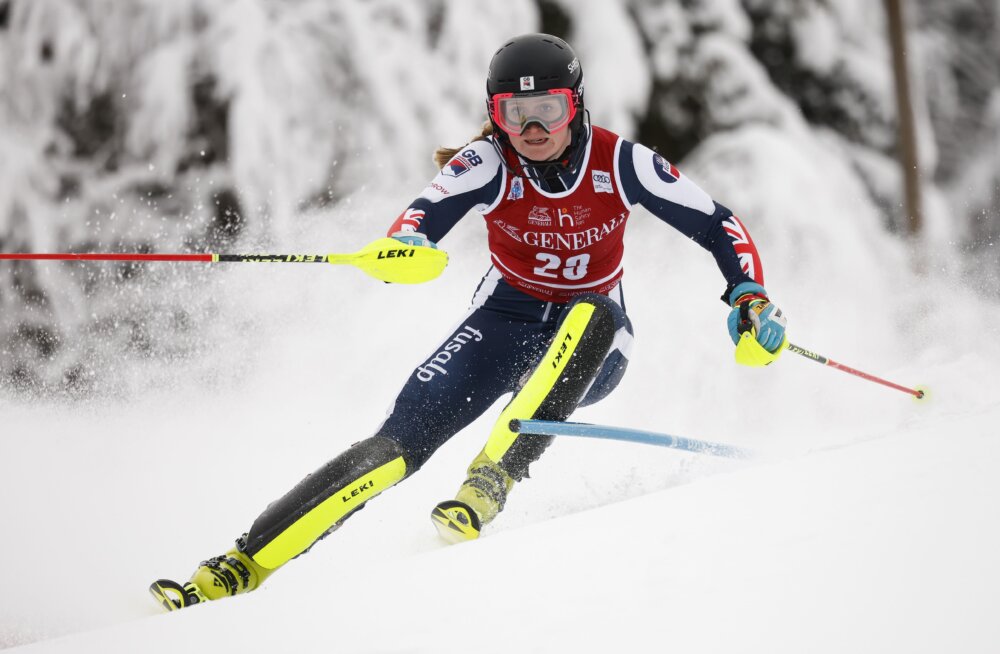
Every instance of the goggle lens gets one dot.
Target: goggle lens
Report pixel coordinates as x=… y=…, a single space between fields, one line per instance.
x=552 y=110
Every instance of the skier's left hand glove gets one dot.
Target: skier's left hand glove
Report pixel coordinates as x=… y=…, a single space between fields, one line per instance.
x=756 y=326
x=413 y=238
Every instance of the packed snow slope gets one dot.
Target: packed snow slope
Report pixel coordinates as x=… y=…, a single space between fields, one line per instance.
x=882 y=546
x=866 y=524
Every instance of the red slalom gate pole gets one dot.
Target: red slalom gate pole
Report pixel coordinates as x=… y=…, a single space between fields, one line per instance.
x=819 y=358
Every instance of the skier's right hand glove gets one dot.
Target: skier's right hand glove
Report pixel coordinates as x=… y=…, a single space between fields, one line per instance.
x=413 y=238
x=756 y=326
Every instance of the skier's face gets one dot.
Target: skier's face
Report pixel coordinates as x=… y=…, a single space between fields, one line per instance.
x=538 y=145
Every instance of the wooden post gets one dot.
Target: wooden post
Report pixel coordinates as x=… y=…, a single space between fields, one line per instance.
x=908 y=159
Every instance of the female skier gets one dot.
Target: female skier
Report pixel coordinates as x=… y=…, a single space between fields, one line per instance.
x=547 y=321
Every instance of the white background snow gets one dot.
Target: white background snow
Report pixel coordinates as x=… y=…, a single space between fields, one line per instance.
x=868 y=522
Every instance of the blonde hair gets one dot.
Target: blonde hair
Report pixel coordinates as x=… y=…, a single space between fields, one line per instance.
x=443 y=155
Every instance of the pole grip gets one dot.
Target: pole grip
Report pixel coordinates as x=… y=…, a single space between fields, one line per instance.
x=812 y=356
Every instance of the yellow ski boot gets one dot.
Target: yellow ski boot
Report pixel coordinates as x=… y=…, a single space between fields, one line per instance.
x=479 y=500
x=233 y=573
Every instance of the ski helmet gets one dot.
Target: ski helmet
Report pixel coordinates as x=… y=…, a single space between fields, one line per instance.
x=536 y=78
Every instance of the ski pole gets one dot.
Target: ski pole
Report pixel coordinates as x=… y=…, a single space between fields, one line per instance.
x=556 y=428
x=385 y=259
x=819 y=358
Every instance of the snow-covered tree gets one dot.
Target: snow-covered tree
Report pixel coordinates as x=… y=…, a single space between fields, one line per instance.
x=199 y=125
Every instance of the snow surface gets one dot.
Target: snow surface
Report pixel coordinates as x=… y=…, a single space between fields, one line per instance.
x=881 y=546
x=868 y=523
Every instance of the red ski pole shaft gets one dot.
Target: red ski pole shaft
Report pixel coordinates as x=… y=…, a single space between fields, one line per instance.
x=207 y=258
x=97 y=256
x=819 y=358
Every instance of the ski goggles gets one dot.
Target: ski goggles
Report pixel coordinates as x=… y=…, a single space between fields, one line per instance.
x=552 y=110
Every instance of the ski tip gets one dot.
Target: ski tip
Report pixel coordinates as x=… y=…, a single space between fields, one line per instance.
x=456 y=522
x=163 y=592
x=172 y=596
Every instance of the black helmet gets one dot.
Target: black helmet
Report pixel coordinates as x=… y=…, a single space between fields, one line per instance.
x=533 y=64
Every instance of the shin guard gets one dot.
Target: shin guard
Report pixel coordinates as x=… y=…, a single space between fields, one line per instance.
x=552 y=391
x=557 y=383
x=321 y=501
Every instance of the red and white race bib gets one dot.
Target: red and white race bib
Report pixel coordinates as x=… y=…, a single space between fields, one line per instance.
x=554 y=246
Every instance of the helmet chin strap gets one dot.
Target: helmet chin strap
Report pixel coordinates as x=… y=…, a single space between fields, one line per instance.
x=567 y=162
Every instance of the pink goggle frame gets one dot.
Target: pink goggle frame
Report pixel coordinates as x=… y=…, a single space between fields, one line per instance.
x=553 y=110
